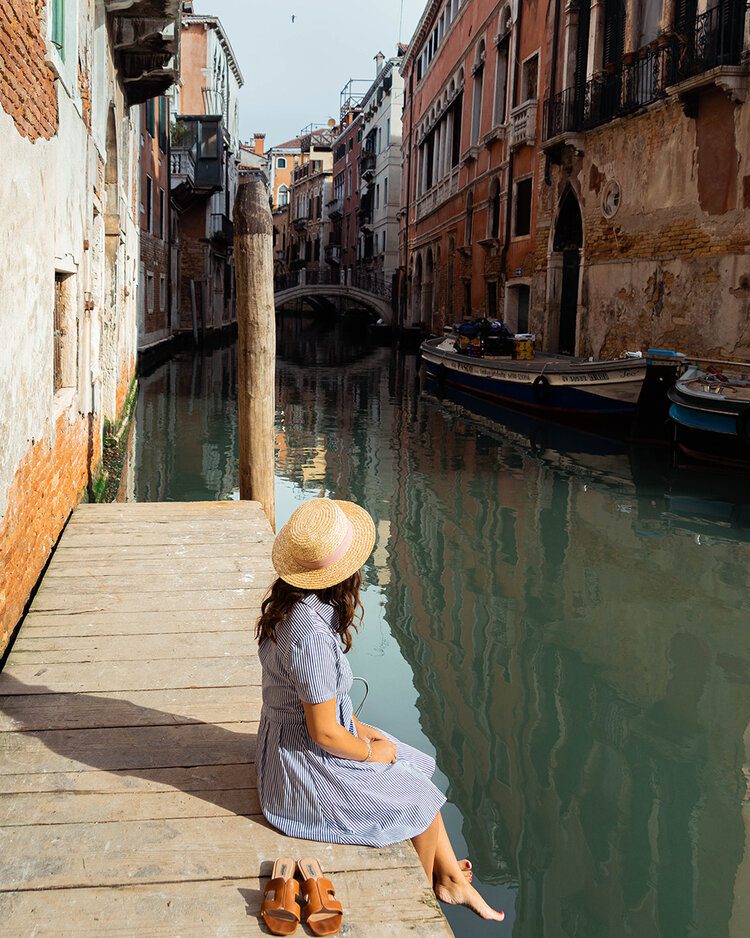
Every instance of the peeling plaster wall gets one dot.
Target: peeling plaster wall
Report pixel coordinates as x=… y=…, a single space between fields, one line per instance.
x=58 y=207
x=672 y=267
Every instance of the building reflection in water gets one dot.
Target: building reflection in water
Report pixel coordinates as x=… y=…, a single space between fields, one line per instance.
x=579 y=640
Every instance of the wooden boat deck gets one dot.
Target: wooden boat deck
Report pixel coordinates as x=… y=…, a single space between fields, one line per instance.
x=128 y=714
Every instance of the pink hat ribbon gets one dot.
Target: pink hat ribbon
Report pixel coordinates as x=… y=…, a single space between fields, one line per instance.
x=335 y=555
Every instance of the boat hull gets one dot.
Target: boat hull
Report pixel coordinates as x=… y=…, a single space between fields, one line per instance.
x=710 y=429
x=598 y=392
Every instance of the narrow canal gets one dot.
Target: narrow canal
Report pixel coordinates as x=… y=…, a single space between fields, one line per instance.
x=563 y=623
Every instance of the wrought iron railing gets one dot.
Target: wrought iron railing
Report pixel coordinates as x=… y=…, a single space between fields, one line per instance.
x=715 y=40
x=368 y=281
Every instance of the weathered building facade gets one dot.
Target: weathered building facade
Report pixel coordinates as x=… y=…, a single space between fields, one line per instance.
x=343 y=208
x=380 y=164
x=644 y=212
x=69 y=74
x=311 y=188
x=205 y=150
x=154 y=286
x=470 y=162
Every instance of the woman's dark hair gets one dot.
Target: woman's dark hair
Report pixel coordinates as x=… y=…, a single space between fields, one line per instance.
x=344 y=597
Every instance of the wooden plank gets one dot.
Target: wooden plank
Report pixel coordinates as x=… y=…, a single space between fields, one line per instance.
x=210 y=509
x=187 y=778
x=66 y=601
x=255 y=558
x=116 y=553
x=138 y=623
x=114 y=676
x=138 y=581
x=29 y=649
x=53 y=856
x=65 y=807
x=226 y=908
x=26 y=712
x=163 y=536
x=135 y=749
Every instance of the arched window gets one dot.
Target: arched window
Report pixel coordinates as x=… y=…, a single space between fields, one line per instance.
x=476 y=110
x=469 y=219
x=283 y=195
x=281 y=162
x=501 y=69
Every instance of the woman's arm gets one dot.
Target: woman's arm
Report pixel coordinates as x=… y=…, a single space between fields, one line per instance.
x=367 y=732
x=329 y=734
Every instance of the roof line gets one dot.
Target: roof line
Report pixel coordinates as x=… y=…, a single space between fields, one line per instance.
x=215 y=22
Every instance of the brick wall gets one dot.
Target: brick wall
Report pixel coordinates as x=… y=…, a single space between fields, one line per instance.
x=27 y=83
x=47 y=485
x=155 y=259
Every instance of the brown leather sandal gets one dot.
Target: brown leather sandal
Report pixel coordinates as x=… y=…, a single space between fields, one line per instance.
x=323 y=912
x=280 y=909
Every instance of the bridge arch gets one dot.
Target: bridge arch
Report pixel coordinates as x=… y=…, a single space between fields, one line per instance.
x=364 y=290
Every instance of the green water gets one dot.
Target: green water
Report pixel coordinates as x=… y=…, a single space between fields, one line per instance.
x=564 y=625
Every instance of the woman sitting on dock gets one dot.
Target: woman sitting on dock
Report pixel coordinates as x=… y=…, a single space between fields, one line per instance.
x=322 y=774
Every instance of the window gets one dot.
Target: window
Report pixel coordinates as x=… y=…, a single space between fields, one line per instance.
x=57 y=36
x=380 y=139
x=208 y=140
x=150 y=292
x=281 y=163
x=377 y=196
x=385 y=192
x=501 y=82
x=149 y=205
x=162 y=213
x=349 y=184
x=495 y=209
x=63 y=333
x=163 y=124
x=162 y=293
x=648 y=27
x=384 y=234
x=151 y=117
x=351 y=143
x=476 y=110
x=518 y=307
x=530 y=78
x=388 y=131
x=283 y=195
x=522 y=213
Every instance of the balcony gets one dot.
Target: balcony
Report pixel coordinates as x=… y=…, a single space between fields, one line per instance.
x=336 y=207
x=300 y=222
x=523 y=125
x=710 y=54
x=367 y=164
x=196 y=164
x=221 y=232
x=434 y=198
x=146 y=44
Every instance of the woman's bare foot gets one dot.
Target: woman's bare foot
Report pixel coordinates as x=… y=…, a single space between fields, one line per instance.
x=454 y=892
x=466 y=869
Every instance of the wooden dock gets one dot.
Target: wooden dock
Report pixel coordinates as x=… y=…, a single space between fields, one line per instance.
x=128 y=715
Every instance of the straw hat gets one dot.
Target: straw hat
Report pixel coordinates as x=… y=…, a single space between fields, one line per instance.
x=323 y=543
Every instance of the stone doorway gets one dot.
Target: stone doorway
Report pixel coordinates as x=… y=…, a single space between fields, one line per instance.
x=564 y=276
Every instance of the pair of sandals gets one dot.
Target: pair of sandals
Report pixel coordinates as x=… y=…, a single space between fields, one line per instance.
x=280 y=909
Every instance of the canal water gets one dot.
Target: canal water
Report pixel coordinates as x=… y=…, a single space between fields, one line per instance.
x=565 y=624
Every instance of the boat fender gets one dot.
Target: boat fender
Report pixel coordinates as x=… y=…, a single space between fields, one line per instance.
x=540 y=389
x=743 y=424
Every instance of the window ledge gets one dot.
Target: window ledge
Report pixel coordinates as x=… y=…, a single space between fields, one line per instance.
x=489 y=243
x=62 y=402
x=498 y=132
x=471 y=154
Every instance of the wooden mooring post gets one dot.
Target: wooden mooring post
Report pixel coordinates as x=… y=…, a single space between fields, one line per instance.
x=256 y=351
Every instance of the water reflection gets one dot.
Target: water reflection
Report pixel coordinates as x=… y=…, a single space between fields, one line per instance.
x=574 y=624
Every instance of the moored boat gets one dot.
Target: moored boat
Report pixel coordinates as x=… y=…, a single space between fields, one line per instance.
x=711 y=414
x=552 y=386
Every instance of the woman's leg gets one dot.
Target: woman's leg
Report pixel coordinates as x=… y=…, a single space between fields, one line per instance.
x=425 y=844
x=449 y=880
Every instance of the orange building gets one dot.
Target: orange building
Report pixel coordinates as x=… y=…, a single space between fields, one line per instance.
x=282 y=160
x=471 y=163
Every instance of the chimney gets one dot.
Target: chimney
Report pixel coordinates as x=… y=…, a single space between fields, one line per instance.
x=379 y=59
x=187 y=6
x=259 y=145
x=331 y=122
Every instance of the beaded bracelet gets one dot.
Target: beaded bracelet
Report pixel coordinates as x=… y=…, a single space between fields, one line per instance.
x=369 y=749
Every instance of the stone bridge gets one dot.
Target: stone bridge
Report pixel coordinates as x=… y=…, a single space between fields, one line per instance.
x=320 y=288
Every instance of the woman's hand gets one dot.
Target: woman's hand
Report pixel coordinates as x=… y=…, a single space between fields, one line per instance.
x=383 y=751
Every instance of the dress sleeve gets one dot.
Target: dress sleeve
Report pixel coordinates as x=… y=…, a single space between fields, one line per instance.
x=314 y=668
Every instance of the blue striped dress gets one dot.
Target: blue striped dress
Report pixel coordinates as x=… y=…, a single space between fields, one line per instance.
x=304 y=790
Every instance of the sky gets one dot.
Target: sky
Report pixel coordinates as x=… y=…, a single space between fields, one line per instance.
x=294 y=71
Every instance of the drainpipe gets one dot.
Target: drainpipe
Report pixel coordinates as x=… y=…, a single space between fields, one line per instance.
x=513 y=102
x=169 y=218
x=408 y=187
